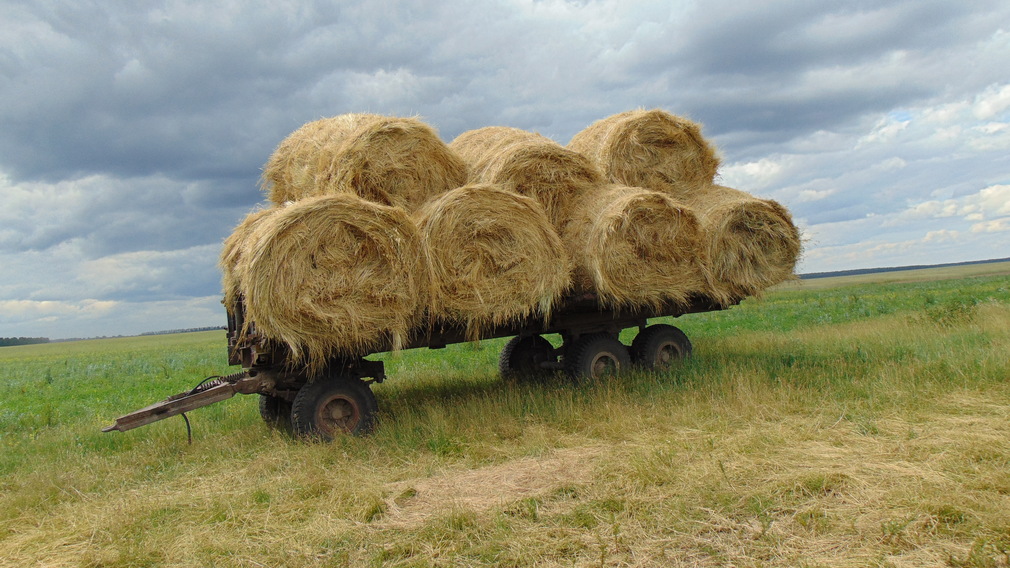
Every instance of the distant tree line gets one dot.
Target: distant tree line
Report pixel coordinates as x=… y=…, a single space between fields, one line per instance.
x=862 y=271
x=8 y=341
x=186 y=330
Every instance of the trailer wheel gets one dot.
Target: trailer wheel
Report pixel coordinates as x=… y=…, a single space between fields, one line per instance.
x=660 y=346
x=276 y=412
x=329 y=407
x=522 y=356
x=596 y=357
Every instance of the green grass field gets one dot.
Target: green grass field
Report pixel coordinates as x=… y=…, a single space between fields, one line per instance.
x=858 y=422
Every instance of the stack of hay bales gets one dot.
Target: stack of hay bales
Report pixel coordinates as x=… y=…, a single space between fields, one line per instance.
x=377 y=229
x=373 y=232
x=630 y=246
x=750 y=243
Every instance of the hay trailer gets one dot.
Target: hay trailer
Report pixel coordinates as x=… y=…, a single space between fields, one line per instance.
x=339 y=399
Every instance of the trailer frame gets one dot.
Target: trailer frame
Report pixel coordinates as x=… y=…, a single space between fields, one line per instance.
x=338 y=399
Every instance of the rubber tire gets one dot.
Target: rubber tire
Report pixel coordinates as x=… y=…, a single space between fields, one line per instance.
x=276 y=412
x=583 y=357
x=521 y=357
x=309 y=420
x=659 y=347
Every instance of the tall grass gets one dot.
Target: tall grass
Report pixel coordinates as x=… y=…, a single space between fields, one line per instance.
x=852 y=426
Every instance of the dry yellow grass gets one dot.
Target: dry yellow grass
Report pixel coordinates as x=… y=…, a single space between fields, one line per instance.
x=902 y=276
x=411 y=503
x=870 y=443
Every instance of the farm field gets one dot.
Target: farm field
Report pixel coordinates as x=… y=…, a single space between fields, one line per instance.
x=862 y=421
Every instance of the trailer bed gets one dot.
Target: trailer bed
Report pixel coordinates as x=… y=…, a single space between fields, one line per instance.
x=337 y=399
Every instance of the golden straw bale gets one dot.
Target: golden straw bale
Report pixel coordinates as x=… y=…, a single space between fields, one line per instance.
x=752 y=243
x=335 y=275
x=387 y=160
x=494 y=256
x=650 y=148
x=528 y=164
x=636 y=247
x=292 y=169
x=234 y=247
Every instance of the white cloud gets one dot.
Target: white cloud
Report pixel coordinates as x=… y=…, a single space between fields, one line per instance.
x=754 y=175
x=886 y=130
x=995 y=199
x=151 y=273
x=890 y=164
x=809 y=195
x=992 y=102
x=941 y=236
x=17 y=311
x=90 y=317
x=988 y=203
x=993 y=226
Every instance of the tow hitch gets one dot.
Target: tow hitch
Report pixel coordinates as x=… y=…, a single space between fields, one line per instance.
x=214 y=389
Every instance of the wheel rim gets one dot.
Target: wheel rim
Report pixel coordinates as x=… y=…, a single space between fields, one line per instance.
x=667 y=354
x=605 y=364
x=338 y=414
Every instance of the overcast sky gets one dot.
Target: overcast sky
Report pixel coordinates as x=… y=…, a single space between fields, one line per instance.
x=132 y=134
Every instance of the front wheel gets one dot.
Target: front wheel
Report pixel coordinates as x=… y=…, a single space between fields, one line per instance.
x=329 y=407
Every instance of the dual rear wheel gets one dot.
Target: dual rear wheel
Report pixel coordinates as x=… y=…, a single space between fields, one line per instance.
x=594 y=356
x=660 y=346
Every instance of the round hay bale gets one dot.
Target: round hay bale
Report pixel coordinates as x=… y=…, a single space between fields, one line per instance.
x=494 y=256
x=636 y=247
x=528 y=164
x=335 y=275
x=650 y=148
x=387 y=160
x=235 y=246
x=751 y=243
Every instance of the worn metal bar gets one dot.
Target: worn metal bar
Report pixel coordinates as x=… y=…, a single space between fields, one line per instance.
x=173 y=406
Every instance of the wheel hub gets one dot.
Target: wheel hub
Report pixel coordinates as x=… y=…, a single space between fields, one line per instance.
x=667 y=353
x=605 y=364
x=339 y=414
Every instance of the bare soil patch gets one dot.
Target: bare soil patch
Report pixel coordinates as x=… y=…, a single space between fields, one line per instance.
x=413 y=501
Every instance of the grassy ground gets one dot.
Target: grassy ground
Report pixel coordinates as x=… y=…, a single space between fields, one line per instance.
x=864 y=424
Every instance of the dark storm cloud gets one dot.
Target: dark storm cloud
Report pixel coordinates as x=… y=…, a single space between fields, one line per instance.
x=736 y=40
x=105 y=216
x=782 y=69
x=194 y=91
x=132 y=135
